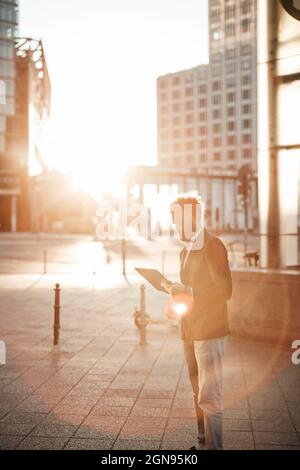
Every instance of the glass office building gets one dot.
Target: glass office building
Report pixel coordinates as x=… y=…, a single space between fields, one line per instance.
x=8 y=32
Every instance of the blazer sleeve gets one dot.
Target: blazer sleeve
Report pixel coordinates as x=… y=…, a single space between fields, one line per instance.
x=221 y=290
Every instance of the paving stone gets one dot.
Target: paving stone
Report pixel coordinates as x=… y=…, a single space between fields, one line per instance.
x=89 y=444
x=10 y=442
x=54 y=430
x=127 y=444
x=15 y=429
x=237 y=425
x=277 y=438
x=155 y=412
x=43 y=443
x=237 y=438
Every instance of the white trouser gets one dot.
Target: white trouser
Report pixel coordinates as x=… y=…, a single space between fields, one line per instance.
x=209 y=354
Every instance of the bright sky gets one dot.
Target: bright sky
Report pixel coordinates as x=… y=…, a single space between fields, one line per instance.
x=104 y=57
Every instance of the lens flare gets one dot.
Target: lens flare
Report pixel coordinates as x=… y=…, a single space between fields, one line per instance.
x=180 y=308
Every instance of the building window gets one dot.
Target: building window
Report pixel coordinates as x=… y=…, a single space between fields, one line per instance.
x=230 y=68
x=229 y=12
x=176 y=147
x=163 y=135
x=176 y=121
x=247 y=154
x=202 y=102
x=189 y=132
x=246 y=109
x=246 y=80
x=245 y=49
x=216 y=114
x=216 y=86
x=230 y=53
x=203 y=157
x=246 y=139
x=202 y=89
x=215 y=16
x=246 y=64
x=163 y=96
x=231 y=140
x=163 y=110
x=245 y=25
x=164 y=123
x=163 y=83
x=176 y=81
x=203 y=144
x=216 y=99
x=231 y=111
x=217 y=156
x=217 y=142
x=216 y=58
x=230 y=82
x=245 y=7
x=189 y=105
x=216 y=35
x=216 y=128
x=202 y=117
x=189 y=159
x=176 y=107
x=246 y=94
x=176 y=161
x=229 y=30
x=164 y=148
x=246 y=123
x=176 y=94
x=202 y=130
x=231 y=155
x=216 y=70
x=177 y=134
x=189 y=118
x=230 y=97
x=189 y=91
x=189 y=145
x=231 y=125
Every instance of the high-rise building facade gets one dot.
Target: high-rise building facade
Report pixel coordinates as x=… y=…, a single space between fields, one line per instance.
x=24 y=108
x=8 y=32
x=232 y=128
x=207 y=114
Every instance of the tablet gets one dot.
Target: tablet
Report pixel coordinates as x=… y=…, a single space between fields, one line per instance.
x=154 y=277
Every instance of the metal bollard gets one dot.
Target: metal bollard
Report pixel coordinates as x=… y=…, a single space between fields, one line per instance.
x=56 y=325
x=45 y=262
x=123 y=256
x=143 y=321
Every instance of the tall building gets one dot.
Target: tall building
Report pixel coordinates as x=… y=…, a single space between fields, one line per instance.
x=8 y=31
x=8 y=179
x=207 y=114
x=232 y=92
x=23 y=135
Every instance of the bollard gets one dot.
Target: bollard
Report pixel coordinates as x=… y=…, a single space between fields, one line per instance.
x=123 y=256
x=45 y=262
x=56 y=325
x=143 y=322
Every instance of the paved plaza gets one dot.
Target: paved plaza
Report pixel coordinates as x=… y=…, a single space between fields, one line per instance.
x=101 y=390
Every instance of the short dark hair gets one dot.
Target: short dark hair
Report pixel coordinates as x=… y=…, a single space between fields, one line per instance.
x=184 y=201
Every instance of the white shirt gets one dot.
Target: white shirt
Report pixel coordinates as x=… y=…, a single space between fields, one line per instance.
x=197 y=241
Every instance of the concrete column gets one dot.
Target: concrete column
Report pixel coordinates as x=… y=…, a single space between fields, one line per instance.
x=267 y=155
